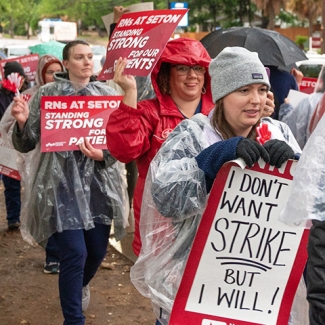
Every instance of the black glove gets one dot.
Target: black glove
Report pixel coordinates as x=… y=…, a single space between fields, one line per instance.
x=279 y=152
x=251 y=152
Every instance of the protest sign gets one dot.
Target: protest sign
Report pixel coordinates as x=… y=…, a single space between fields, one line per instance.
x=142 y=6
x=140 y=37
x=28 y=62
x=245 y=265
x=308 y=85
x=8 y=158
x=295 y=97
x=67 y=120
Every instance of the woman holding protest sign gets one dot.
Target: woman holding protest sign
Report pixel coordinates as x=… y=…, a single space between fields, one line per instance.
x=74 y=195
x=182 y=173
x=136 y=131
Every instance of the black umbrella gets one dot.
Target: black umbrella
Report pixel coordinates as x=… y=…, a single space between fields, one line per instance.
x=272 y=47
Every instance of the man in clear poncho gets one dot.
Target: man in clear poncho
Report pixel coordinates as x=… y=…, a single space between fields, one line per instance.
x=182 y=173
x=299 y=117
x=73 y=195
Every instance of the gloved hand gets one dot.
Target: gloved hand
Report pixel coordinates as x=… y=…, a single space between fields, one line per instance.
x=279 y=152
x=251 y=151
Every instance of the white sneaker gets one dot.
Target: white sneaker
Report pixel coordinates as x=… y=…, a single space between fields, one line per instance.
x=85 y=297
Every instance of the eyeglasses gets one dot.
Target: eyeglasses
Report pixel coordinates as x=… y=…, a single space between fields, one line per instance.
x=184 y=70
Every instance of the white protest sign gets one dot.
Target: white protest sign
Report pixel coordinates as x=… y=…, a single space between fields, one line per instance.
x=143 y=6
x=8 y=164
x=295 y=97
x=245 y=265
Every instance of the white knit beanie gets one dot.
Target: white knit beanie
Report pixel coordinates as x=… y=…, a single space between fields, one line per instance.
x=233 y=68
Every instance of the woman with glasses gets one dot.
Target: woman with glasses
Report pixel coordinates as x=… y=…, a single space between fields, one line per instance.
x=135 y=131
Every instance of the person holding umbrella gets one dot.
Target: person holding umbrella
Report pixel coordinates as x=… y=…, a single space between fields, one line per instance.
x=278 y=52
x=182 y=172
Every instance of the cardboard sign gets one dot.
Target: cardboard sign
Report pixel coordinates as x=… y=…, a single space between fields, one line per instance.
x=8 y=158
x=142 y=6
x=295 y=97
x=67 y=120
x=136 y=36
x=245 y=265
x=28 y=62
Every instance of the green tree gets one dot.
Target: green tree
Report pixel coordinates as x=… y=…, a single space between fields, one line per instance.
x=221 y=13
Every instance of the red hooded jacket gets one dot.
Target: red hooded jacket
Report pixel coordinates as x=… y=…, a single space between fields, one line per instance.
x=139 y=133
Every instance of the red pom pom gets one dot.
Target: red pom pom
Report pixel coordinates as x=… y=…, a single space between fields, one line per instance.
x=263 y=133
x=8 y=85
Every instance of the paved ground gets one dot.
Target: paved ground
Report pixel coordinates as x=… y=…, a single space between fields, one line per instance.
x=30 y=297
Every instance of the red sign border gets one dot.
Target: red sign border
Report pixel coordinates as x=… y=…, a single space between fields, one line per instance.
x=190 y=318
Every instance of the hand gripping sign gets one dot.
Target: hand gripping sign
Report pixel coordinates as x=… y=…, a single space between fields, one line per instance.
x=245 y=265
x=67 y=120
x=140 y=37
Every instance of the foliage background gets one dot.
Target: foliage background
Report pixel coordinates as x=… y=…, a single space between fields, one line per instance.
x=20 y=17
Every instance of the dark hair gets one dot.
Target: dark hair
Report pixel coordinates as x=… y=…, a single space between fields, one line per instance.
x=13 y=66
x=220 y=124
x=163 y=78
x=66 y=49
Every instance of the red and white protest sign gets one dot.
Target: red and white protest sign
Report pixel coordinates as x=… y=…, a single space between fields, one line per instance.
x=308 y=85
x=28 y=62
x=8 y=164
x=67 y=120
x=140 y=37
x=245 y=265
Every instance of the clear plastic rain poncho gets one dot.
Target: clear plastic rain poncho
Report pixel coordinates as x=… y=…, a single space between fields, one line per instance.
x=174 y=200
x=298 y=117
x=7 y=122
x=307 y=198
x=67 y=190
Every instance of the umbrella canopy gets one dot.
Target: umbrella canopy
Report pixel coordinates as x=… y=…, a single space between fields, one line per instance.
x=272 y=47
x=52 y=47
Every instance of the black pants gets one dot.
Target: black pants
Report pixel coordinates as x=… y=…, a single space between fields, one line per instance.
x=12 y=197
x=131 y=177
x=315 y=273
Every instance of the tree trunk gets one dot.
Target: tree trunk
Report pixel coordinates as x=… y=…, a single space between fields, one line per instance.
x=271 y=23
x=28 y=26
x=11 y=27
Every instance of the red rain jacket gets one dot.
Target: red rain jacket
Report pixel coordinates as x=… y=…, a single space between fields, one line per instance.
x=137 y=134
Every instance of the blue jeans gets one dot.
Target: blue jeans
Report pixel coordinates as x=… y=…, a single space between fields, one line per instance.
x=12 y=198
x=81 y=253
x=52 y=251
x=157 y=322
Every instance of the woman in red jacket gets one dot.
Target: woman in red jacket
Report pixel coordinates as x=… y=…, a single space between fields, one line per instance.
x=137 y=130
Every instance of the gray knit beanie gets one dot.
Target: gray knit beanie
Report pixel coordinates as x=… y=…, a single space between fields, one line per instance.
x=233 y=68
